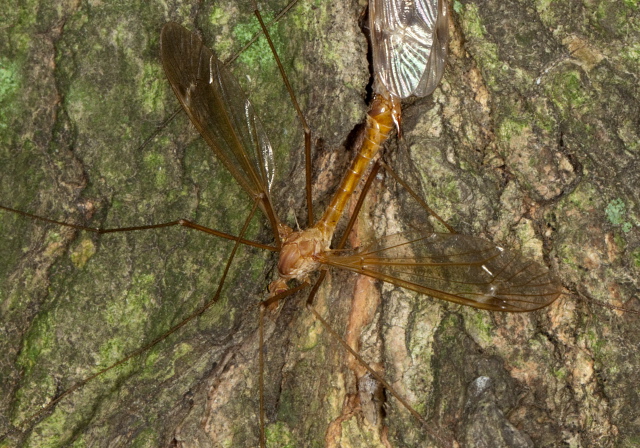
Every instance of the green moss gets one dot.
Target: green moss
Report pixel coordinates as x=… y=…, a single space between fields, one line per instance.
x=582 y=198
x=451 y=191
x=259 y=54
x=635 y=256
x=156 y=165
x=53 y=238
x=9 y=85
x=616 y=15
x=82 y=252
x=629 y=441
x=151 y=88
x=279 y=435
x=486 y=52
x=473 y=23
x=567 y=91
x=218 y=16
x=479 y=324
x=628 y=132
x=511 y=128
x=131 y=310
x=631 y=52
x=311 y=339
x=596 y=343
x=561 y=373
x=287 y=408
x=153 y=356
x=353 y=436
x=146 y=438
x=545 y=9
x=39 y=342
x=616 y=211
x=217 y=313
x=543 y=118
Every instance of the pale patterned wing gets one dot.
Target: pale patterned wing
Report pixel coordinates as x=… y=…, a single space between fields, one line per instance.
x=462 y=269
x=409 y=39
x=218 y=108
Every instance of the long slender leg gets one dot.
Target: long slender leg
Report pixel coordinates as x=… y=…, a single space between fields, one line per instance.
x=53 y=232
x=303 y=121
x=34 y=417
x=307 y=145
x=371 y=177
x=178 y=222
x=264 y=305
x=229 y=61
x=263 y=441
x=256 y=36
x=377 y=376
x=416 y=196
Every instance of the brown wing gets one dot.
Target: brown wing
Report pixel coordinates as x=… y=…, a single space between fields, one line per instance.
x=216 y=105
x=409 y=39
x=462 y=269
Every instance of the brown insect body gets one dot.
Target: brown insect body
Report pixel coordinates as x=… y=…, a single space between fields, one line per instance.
x=465 y=270
x=298 y=257
x=570 y=347
x=301 y=251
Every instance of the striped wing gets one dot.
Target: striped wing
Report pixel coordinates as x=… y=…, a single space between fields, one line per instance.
x=462 y=269
x=409 y=40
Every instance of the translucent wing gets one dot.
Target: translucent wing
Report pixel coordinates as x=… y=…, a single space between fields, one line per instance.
x=462 y=269
x=409 y=39
x=218 y=109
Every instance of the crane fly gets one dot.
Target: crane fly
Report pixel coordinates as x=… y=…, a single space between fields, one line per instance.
x=461 y=269
x=452 y=267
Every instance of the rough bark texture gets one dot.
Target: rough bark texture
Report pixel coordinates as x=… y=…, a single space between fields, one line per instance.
x=532 y=141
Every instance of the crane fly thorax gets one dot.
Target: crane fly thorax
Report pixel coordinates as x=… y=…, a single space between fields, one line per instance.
x=298 y=254
x=298 y=257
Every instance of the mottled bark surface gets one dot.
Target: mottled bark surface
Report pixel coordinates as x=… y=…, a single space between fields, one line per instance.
x=532 y=141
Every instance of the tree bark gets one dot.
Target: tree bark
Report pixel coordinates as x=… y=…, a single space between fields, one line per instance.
x=531 y=141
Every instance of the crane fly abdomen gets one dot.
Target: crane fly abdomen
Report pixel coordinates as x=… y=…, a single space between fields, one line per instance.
x=383 y=113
